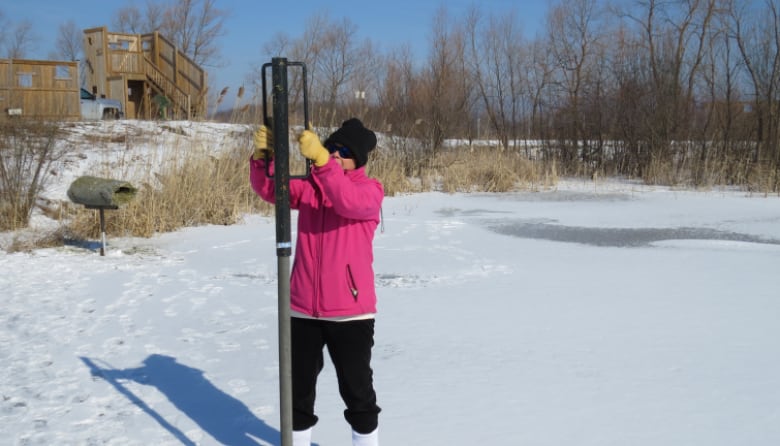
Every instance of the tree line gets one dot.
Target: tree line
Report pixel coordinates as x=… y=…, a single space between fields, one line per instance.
x=673 y=91
x=669 y=91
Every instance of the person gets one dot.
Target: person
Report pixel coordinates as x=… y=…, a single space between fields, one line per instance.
x=332 y=292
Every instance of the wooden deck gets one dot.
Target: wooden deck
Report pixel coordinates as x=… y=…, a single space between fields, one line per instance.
x=146 y=72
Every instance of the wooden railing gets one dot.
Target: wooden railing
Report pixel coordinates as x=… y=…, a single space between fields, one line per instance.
x=188 y=75
x=181 y=100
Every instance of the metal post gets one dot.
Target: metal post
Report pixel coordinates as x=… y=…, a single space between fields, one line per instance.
x=283 y=241
x=101 y=212
x=102 y=232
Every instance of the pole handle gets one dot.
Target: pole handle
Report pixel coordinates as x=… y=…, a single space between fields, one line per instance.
x=268 y=120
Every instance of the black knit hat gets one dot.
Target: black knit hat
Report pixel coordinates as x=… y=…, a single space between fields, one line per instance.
x=358 y=139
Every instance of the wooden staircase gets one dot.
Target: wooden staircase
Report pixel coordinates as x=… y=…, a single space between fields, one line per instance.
x=180 y=102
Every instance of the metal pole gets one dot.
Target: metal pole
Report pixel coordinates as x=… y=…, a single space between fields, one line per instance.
x=283 y=241
x=102 y=232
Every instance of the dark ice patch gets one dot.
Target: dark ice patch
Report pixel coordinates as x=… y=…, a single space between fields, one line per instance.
x=618 y=237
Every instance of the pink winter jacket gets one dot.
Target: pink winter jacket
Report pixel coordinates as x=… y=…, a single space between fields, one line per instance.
x=338 y=212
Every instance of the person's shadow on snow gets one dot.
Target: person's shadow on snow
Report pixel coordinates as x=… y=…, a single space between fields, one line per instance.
x=223 y=417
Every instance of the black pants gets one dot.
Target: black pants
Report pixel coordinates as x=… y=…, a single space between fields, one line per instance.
x=349 y=345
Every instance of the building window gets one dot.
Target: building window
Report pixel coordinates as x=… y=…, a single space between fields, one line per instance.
x=120 y=45
x=62 y=72
x=25 y=80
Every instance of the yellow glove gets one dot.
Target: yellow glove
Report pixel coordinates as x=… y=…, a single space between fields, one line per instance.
x=311 y=148
x=264 y=142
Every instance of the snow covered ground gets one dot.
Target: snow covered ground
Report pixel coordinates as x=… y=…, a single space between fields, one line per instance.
x=593 y=314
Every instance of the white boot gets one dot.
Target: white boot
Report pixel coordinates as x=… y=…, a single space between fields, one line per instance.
x=302 y=438
x=371 y=439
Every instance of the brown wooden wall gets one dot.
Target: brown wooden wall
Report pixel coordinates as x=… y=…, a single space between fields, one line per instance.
x=95 y=56
x=39 y=89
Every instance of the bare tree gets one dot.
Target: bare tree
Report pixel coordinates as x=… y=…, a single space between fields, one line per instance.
x=573 y=34
x=720 y=133
x=69 y=41
x=630 y=92
x=443 y=97
x=307 y=49
x=30 y=153
x=133 y=20
x=20 y=40
x=758 y=40
x=675 y=37
x=498 y=63
x=129 y=20
x=3 y=32
x=336 y=65
x=195 y=27
x=396 y=92
x=279 y=45
x=364 y=84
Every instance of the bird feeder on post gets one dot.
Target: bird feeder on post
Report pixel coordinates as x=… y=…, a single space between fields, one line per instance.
x=101 y=194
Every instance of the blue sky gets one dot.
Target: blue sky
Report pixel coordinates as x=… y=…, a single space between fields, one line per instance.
x=252 y=23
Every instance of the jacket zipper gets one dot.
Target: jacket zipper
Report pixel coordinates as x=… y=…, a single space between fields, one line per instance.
x=318 y=285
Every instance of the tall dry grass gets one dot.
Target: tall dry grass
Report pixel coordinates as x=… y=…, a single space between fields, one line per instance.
x=460 y=169
x=178 y=186
x=188 y=180
x=191 y=185
x=491 y=170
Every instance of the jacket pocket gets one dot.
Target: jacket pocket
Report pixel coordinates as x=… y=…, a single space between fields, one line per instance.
x=351 y=283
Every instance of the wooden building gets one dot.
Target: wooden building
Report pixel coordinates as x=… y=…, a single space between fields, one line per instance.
x=147 y=73
x=41 y=89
